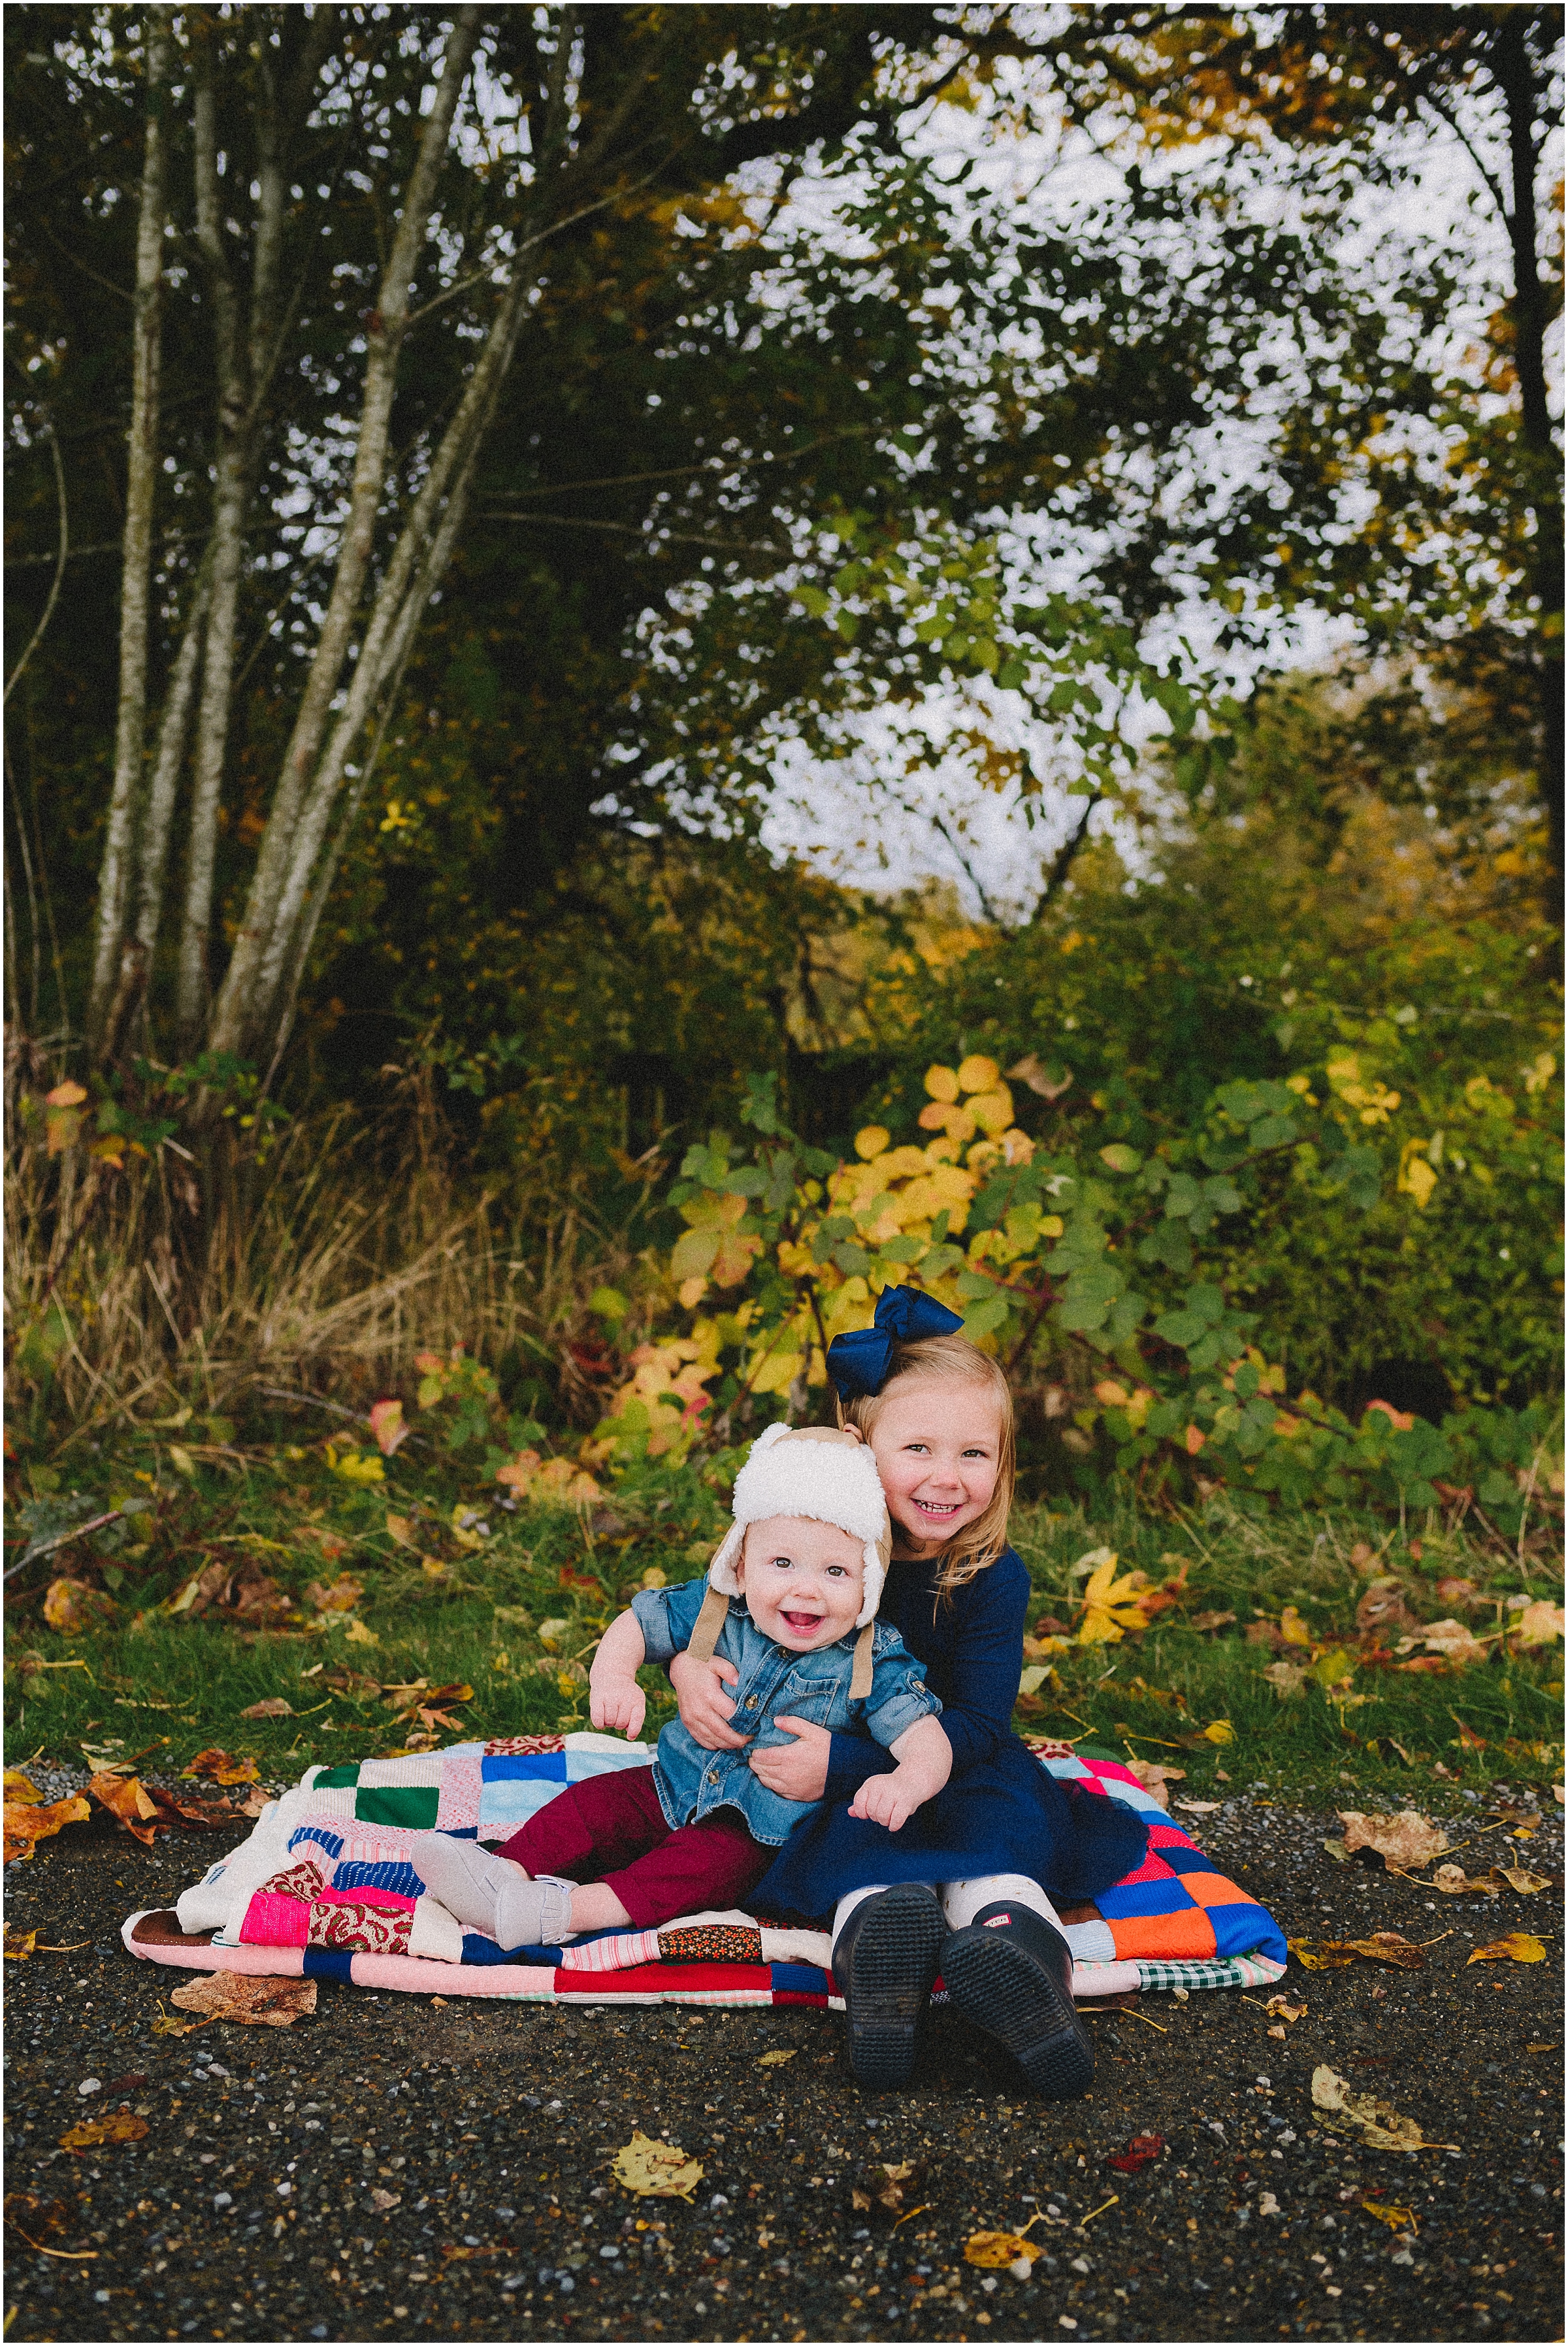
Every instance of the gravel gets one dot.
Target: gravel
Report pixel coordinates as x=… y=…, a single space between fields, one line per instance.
x=398 y=2168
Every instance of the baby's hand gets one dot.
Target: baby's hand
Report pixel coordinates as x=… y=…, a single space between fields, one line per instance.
x=797 y=1771
x=618 y=1708
x=705 y=1708
x=885 y=1800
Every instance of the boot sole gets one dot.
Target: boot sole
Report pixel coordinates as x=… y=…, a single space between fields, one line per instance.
x=891 y=1969
x=1000 y=1988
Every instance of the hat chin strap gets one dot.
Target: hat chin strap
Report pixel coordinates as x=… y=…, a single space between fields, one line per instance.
x=709 y=1628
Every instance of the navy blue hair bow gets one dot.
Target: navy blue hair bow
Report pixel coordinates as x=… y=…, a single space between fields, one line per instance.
x=859 y=1363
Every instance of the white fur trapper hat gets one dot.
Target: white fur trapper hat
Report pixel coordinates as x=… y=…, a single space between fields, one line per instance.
x=823 y=1473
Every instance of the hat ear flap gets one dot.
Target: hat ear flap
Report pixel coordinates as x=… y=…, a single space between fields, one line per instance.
x=877 y=1556
x=722 y=1572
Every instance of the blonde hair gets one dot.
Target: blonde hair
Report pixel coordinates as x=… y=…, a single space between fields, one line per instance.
x=931 y=1360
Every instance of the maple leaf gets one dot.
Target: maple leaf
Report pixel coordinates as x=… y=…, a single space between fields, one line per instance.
x=1110 y=1607
x=27 y=1823
x=656 y=2171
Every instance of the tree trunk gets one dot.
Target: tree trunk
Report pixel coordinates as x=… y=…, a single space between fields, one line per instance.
x=233 y=1021
x=141 y=482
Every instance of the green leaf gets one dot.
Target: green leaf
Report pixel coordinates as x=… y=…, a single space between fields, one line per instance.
x=1120 y=1157
x=986 y=1318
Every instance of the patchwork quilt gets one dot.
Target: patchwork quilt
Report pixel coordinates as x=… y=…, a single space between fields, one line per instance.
x=328 y=1886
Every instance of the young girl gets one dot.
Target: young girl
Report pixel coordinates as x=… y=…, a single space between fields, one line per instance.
x=1004 y=1839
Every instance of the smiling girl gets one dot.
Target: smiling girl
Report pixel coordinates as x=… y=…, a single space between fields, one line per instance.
x=967 y=1888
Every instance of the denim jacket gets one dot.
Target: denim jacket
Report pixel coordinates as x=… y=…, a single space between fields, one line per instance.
x=692 y=1782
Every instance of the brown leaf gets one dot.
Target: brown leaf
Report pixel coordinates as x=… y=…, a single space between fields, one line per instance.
x=1384 y=1606
x=1454 y=1882
x=115 y=2125
x=72 y=1607
x=256 y=1802
x=19 y=1944
x=1520 y=1878
x=1452 y=1590
x=994 y=2251
x=25 y=1825
x=1519 y=1947
x=272 y=1706
x=1335 y=1954
x=1403 y=1842
x=254 y=2002
x=129 y=1802
x=356 y=1683
x=1379 y=2125
x=1211 y=1620
x=221 y=1769
x=1280 y=2007
x=1153 y=1778
x=192 y=1816
x=341 y=1598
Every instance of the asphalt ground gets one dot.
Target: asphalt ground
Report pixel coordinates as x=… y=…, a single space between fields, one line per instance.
x=489 y=2129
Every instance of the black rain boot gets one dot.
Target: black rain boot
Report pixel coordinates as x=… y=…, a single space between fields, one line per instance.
x=884 y=1962
x=1010 y=1972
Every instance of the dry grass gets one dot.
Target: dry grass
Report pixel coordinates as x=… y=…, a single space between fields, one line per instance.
x=327 y=1260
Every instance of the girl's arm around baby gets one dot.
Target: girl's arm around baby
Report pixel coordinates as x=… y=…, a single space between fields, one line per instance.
x=617 y=1704
x=925 y=1762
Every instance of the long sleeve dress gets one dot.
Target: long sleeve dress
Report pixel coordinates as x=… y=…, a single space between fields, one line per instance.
x=998 y=1812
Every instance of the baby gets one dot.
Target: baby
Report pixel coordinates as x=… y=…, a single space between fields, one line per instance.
x=791 y=1600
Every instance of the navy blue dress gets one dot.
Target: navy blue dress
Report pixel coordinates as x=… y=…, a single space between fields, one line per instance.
x=998 y=1812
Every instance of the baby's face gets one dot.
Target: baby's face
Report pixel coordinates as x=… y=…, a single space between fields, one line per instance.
x=803 y=1582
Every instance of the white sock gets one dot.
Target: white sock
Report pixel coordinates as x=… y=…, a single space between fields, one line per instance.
x=961 y=1901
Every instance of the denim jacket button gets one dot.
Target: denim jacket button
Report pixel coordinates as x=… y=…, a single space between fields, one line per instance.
x=713 y=1775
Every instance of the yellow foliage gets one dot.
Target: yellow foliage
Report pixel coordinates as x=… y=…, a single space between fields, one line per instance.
x=976 y=1074
x=1111 y=1607
x=872 y=1141
x=941 y=1083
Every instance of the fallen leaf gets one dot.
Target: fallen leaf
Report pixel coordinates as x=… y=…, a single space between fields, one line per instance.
x=19 y=1944
x=1153 y=1777
x=357 y=1684
x=1519 y=1947
x=1280 y=2007
x=1454 y=1882
x=1539 y=1624
x=1110 y=1607
x=1142 y=2151
x=272 y=1706
x=1452 y=1590
x=771 y=2060
x=341 y=1598
x=656 y=2171
x=129 y=1802
x=72 y=1607
x=358 y=1634
x=43 y=2215
x=1469 y=1740
x=221 y=1769
x=260 y=2002
x=1200 y=1808
x=1211 y=1621
x=28 y=1823
x=382 y=2200
x=115 y=2125
x=1293 y=1628
x=20 y=1791
x=165 y=2024
x=256 y=1802
x=1336 y=1955
x=1398 y=2220
x=993 y=2251
x=1287 y=1679
x=1518 y=1878
x=1403 y=1842
x=1219 y=1730
x=190 y=1815
x=1379 y=2124
x=1454 y=1640
x=1384 y=1607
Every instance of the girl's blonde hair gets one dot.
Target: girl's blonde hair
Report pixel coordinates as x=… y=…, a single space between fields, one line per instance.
x=933 y=1359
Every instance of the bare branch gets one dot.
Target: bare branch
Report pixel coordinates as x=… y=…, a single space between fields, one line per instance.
x=60 y=559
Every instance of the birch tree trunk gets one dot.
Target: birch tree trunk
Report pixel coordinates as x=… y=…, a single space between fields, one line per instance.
x=141 y=482
x=234 y=1022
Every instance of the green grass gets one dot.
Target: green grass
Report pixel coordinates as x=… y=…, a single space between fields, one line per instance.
x=164 y=1685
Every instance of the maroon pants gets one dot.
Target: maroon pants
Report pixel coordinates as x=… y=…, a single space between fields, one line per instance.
x=611 y=1829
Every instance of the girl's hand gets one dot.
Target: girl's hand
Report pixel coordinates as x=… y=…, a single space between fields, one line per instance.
x=797 y=1771
x=617 y=1707
x=705 y=1708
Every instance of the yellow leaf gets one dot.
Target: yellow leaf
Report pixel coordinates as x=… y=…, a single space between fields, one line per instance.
x=357 y=1634
x=31 y=1822
x=20 y=1789
x=93 y=2133
x=941 y=1083
x=993 y=2251
x=772 y=2060
x=1417 y=1178
x=1110 y=1606
x=1398 y=2220
x=19 y=1944
x=1292 y=1628
x=978 y=1074
x=656 y=2171
x=181 y=1461
x=1219 y=1730
x=1519 y=1947
x=872 y=1141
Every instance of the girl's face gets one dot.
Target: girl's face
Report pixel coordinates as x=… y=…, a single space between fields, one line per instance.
x=937 y=1442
